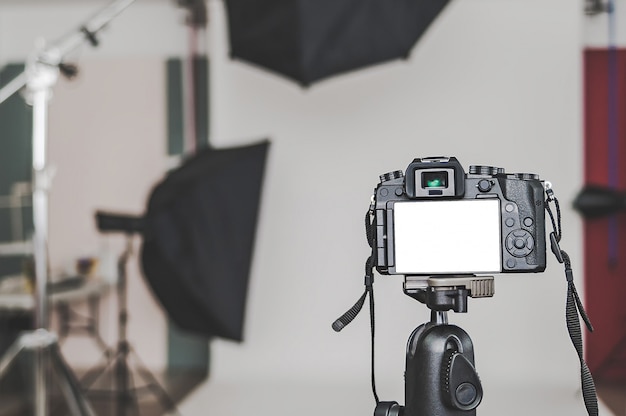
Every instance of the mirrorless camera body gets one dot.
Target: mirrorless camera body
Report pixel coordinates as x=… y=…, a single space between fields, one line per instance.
x=437 y=220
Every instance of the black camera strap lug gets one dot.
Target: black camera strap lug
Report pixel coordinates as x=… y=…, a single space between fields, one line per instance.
x=574 y=307
x=549 y=192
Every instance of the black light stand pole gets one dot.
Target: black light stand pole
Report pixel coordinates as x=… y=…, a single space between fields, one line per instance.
x=40 y=76
x=125 y=393
x=122 y=373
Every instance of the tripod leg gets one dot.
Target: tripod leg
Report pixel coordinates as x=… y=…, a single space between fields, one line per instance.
x=9 y=356
x=125 y=396
x=95 y=372
x=37 y=342
x=166 y=401
x=69 y=385
x=39 y=377
x=72 y=402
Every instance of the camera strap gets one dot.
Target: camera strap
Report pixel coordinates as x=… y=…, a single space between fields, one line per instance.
x=349 y=316
x=574 y=307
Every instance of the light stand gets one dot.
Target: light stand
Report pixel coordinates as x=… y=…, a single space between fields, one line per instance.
x=440 y=377
x=124 y=392
x=40 y=76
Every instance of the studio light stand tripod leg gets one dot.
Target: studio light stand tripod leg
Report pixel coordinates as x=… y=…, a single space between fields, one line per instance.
x=124 y=392
x=69 y=385
x=44 y=346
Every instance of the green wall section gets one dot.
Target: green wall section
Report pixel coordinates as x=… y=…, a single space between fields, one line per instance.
x=15 y=161
x=176 y=105
x=175 y=119
x=201 y=75
x=185 y=350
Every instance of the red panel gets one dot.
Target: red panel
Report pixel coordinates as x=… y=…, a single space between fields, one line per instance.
x=605 y=283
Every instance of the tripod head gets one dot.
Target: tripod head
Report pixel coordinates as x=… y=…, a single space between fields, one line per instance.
x=440 y=376
x=444 y=293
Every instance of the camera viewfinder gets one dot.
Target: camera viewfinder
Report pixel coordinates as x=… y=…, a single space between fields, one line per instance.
x=435 y=180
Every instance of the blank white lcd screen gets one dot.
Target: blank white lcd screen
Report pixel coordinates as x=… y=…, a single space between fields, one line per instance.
x=451 y=236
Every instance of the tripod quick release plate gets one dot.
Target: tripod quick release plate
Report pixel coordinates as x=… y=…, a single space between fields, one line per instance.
x=478 y=287
x=448 y=292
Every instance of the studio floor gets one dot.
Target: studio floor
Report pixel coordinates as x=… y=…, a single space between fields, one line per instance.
x=307 y=399
x=146 y=399
x=195 y=396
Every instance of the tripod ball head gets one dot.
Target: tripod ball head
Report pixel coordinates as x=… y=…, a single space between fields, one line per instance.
x=440 y=377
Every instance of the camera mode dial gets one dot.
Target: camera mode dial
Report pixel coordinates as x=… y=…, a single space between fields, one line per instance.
x=396 y=174
x=485 y=170
x=526 y=176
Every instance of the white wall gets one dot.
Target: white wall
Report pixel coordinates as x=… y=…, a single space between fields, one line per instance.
x=492 y=82
x=108 y=143
x=147 y=28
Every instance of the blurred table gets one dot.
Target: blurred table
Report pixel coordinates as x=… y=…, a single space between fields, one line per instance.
x=61 y=296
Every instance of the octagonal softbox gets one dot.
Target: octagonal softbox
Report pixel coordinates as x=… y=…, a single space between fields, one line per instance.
x=308 y=40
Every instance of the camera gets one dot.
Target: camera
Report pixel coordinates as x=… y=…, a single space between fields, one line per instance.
x=437 y=220
x=444 y=230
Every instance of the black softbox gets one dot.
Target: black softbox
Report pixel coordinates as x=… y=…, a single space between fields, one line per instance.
x=595 y=201
x=308 y=40
x=199 y=231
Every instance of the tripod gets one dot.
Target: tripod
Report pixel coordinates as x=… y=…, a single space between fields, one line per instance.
x=440 y=377
x=124 y=392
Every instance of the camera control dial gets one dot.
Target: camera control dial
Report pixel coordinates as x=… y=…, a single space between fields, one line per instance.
x=396 y=174
x=485 y=170
x=526 y=176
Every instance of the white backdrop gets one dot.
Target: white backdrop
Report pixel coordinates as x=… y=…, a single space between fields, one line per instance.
x=491 y=83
